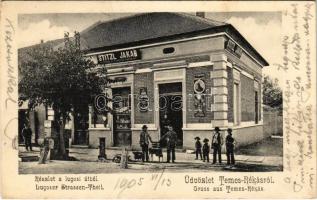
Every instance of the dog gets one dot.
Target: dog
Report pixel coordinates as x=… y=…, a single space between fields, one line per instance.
x=156 y=151
x=117 y=158
x=137 y=155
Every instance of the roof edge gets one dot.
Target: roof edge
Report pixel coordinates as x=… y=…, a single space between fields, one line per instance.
x=257 y=54
x=158 y=39
x=227 y=28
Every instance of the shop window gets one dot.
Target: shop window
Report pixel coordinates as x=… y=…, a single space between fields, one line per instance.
x=121 y=116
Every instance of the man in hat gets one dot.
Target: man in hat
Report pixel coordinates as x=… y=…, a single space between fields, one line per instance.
x=229 y=147
x=206 y=149
x=171 y=139
x=198 y=148
x=144 y=143
x=216 y=145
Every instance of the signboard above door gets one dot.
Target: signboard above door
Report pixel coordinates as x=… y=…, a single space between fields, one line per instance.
x=119 y=56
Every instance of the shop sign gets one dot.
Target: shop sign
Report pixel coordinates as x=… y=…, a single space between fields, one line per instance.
x=199 y=96
x=50 y=112
x=143 y=100
x=119 y=56
x=47 y=123
x=199 y=86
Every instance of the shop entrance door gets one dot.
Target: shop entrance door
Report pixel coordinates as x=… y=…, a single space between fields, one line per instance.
x=81 y=125
x=170 y=110
x=121 y=116
x=22 y=120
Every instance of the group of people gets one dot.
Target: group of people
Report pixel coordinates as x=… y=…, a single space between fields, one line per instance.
x=170 y=137
x=202 y=150
x=216 y=144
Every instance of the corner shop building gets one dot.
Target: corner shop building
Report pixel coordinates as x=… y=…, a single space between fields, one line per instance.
x=178 y=69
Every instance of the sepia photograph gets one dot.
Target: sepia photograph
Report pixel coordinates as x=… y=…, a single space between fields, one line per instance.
x=158 y=100
x=142 y=92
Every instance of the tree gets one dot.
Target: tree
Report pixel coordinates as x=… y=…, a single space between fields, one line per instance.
x=63 y=79
x=272 y=93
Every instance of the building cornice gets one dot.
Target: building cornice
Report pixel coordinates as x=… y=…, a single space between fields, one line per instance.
x=228 y=31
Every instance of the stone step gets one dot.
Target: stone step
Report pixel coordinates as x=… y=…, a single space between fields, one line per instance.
x=77 y=146
x=29 y=158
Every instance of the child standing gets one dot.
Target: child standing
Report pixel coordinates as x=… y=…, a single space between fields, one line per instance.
x=198 y=148
x=206 y=149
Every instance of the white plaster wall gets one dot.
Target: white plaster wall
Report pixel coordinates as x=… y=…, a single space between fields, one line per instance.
x=184 y=48
x=95 y=134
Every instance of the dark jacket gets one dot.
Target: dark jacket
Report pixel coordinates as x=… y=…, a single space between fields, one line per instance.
x=171 y=138
x=145 y=138
x=206 y=148
x=198 y=144
x=27 y=132
x=229 y=141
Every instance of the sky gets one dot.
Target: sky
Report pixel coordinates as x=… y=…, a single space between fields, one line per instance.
x=261 y=29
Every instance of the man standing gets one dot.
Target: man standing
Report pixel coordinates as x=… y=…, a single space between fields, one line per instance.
x=230 y=147
x=27 y=135
x=144 y=142
x=171 y=139
x=216 y=145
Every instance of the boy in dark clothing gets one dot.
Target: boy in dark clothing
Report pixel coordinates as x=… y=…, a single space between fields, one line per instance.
x=198 y=148
x=230 y=147
x=206 y=149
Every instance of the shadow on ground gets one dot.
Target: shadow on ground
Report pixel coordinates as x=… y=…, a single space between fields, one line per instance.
x=268 y=147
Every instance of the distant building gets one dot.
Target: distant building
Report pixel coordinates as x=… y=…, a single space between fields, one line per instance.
x=182 y=70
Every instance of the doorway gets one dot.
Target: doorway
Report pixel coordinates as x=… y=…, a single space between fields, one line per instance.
x=171 y=110
x=22 y=120
x=81 y=125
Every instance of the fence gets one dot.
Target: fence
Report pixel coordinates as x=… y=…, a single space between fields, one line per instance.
x=272 y=123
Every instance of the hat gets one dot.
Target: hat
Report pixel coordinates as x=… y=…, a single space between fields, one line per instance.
x=144 y=127
x=197 y=138
x=217 y=128
x=205 y=140
x=229 y=130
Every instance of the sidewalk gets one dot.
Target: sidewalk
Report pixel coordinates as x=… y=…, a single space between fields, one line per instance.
x=88 y=161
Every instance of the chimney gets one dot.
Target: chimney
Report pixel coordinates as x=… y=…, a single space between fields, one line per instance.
x=200 y=14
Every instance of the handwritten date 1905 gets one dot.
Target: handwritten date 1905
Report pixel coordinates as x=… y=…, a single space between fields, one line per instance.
x=157 y=180
x=124 y=183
